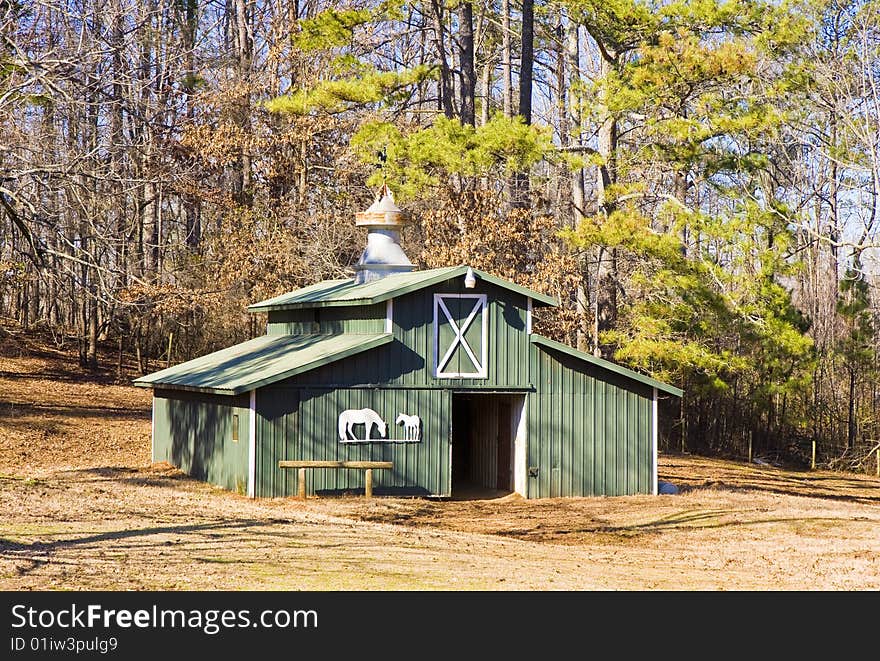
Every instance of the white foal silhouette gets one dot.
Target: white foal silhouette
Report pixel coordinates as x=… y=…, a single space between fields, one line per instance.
x=412 y=426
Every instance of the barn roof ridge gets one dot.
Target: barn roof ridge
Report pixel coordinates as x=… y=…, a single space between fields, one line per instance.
x=328 y=293
x=605 y=364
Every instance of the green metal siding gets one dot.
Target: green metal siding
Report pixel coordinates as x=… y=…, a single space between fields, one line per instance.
x=328 y=321
x=589 y=430
x=278 y=437
x=193 y=431
x=290 y=322
x=409 y=361
x=302 y=424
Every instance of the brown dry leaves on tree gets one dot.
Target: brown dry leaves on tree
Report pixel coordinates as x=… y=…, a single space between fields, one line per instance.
x=518 y=244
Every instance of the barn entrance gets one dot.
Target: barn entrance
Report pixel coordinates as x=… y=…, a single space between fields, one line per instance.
x=488 y=444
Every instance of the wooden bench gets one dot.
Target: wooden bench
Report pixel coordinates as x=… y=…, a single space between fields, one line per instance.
x=367 y=466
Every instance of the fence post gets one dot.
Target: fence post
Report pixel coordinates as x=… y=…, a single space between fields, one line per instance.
x=168 y=358
x=368 y=483
x=683 y=432
x=813 y=460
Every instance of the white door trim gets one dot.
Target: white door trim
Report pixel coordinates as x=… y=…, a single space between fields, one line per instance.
x=252 y=446
x=520 y=445
x=654 y=435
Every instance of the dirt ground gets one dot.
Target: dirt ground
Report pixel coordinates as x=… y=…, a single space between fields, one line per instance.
x=82 y=508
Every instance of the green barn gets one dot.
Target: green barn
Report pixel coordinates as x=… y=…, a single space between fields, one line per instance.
x=436 y=371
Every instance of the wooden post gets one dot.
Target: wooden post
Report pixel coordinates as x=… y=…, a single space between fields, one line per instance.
x=301 y=482
x=750 y=447
x=368 y=483
x=813 y=460
x=683 y=435
x=119 y=358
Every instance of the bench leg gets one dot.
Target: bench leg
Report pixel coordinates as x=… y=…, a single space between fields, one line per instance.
x=301 y=483
x=368 y=483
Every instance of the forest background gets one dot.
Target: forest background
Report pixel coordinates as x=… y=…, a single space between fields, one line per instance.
x=696 y=181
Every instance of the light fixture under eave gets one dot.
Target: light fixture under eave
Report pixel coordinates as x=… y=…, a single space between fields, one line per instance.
x=470 y=280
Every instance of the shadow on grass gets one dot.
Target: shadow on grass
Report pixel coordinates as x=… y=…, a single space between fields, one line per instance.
x=771 y=486
x=127 y=475
x=31 y=552
x=708 y=520
x=12 y=410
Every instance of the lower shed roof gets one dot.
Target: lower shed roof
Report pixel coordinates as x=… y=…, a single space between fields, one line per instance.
x=547 y=343
x=260 y=362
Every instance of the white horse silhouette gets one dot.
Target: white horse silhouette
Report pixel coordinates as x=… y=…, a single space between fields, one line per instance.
x=368 y=417
x=412 y=426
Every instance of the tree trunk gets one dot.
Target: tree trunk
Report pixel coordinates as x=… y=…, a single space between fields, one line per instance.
x=527 y=58
x=446 y=92
x=561 y=174
x=605 y=309
x=466 y=64
x=522 y=186
x=191 y=206
x=243 y=184
x=575 y=123
x=486 y=92
x=153 y=237
x=851 y=411
x=834 y=223
x=506 y=60
x=93 y=328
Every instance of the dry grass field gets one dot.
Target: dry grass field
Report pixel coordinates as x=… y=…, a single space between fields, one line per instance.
x=82 y=508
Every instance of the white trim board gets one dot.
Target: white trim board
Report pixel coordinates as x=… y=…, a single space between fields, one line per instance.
x=389 y=441
x=153 y=431
x=252 y=446
x=520 y=445
x=654 y=434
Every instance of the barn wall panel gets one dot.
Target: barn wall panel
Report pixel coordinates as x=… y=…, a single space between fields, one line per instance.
x=589 y=430
x=310 y=432
x=193 y=431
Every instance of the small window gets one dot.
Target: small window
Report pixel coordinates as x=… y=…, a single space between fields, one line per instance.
x=235 y=427
x=461 y=337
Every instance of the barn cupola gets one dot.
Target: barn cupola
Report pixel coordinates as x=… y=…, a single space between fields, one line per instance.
x=383 y=254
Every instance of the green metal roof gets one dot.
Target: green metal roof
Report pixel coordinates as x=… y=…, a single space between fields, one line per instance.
x=346 y=292
x=260 y=362
x=605 y=364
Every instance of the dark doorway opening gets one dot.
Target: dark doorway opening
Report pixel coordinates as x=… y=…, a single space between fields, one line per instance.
x=484 y=431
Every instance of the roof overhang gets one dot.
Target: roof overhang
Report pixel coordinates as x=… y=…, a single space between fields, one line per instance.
x=339 y=293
